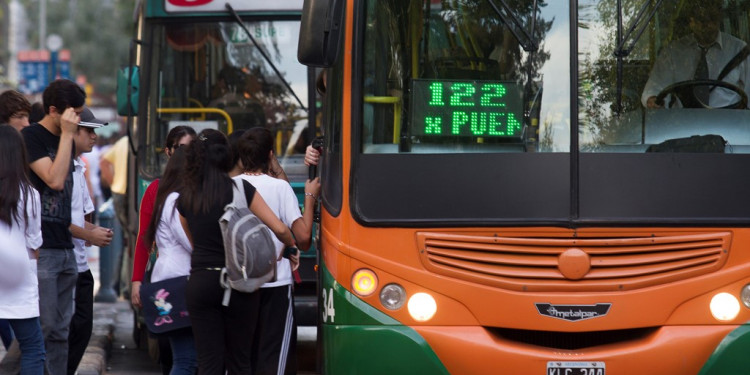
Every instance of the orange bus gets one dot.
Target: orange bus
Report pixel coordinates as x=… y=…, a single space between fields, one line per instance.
x=505 y=192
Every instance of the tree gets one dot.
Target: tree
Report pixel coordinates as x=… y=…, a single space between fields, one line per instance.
x=97 y=32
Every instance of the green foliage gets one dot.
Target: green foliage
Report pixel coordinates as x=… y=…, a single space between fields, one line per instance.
x=97 y=32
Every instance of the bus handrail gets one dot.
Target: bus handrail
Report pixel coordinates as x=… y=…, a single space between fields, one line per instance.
x=396 y=101
x=230 y=125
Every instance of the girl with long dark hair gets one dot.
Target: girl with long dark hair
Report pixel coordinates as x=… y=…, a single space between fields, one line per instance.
x=21 y=233
x=180 y=359
x=274 y=348
x=222 y=333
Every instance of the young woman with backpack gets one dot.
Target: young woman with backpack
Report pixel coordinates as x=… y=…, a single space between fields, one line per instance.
x=222 y=333
x=21 y=234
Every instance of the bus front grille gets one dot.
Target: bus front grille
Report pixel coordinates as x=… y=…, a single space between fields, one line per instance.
x=571 y=340
x=568 y=264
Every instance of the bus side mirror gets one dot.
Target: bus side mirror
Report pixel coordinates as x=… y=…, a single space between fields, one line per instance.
x=128 y=83
x=319 y=41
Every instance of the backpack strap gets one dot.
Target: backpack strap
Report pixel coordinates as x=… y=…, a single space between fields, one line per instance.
x=733 y=63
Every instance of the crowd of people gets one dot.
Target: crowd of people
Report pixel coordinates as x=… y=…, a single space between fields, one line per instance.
x=46 y=297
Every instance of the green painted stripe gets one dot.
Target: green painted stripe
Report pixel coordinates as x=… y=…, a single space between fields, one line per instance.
x=731 y=355
x=360 y=339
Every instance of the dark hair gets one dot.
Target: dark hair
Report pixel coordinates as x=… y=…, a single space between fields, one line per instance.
x=174 y=135
x=171 y=181
x=12 y=102
x=14 y=175
x=206 y=178
x=37 y=112
x=255 y=147
x=63 y=93
x=234 y=141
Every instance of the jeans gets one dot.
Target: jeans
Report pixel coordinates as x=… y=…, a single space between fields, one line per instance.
x=184 y=360
x=6 y=334
x=29 y=335
x=82 y=322
x=57 y=272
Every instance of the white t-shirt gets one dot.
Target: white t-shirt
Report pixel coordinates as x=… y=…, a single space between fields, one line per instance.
x=80 y=206
x=280 y=197
x=172 y=243
x=19 y=290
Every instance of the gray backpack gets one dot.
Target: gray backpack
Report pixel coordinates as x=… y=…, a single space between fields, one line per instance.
x=248 y=247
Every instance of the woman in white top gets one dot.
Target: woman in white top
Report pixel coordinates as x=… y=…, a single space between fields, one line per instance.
x=274 y=350
x=173 y=259
x=21 y=234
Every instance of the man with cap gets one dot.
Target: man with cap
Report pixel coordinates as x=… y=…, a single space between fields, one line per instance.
x=84 y=232
x=49 y=144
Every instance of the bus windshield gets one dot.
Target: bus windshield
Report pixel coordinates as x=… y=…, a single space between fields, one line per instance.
x=542 y=124
x=465 y=76
x=494 y=76
x=211 y=75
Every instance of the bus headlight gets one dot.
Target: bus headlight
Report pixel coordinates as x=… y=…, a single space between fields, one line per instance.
x=724 y=307
x=364 y=282
x=392 y=296
x=422 y=307
x=745 y=296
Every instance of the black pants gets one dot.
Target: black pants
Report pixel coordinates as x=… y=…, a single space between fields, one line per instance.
x=83 y=320
x=223 y=334
x=275 y=344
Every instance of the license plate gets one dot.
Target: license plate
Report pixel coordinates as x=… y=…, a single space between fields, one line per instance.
x=575 y=368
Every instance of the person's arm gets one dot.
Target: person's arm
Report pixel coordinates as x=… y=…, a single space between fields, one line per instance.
x=302 y=227
x=142 y=249
x=661 y=76
x=276 y=170
x=107 y=171
x=94 y=234
x=312 y=156
x=55 y=172
x=259 y=207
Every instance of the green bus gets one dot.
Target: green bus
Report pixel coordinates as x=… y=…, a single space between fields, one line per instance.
x=226 y=65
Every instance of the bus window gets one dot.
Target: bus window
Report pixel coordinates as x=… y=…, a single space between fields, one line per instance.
x=617 y=77
x=464 y=76
x=210 y=74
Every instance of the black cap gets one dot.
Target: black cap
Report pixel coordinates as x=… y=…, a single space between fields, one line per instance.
x=88 y=120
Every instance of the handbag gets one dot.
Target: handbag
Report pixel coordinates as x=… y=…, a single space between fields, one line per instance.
x=164 y=305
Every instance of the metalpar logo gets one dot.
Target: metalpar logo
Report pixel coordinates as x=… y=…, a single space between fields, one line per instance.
x=573 y=313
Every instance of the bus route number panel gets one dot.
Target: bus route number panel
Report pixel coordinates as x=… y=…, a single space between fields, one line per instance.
x=575 y=368
x=459 y=108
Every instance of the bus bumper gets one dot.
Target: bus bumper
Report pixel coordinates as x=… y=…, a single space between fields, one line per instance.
x=670 y=350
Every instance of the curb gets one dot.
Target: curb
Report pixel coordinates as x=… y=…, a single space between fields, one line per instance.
x=94 y=361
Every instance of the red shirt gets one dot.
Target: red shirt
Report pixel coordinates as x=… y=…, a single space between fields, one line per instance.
x=142 y=249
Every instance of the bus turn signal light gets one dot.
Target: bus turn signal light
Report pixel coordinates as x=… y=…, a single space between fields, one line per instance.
x=364 y=282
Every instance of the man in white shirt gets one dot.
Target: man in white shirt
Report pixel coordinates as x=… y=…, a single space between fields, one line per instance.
x=699 y=56
x=84 y=233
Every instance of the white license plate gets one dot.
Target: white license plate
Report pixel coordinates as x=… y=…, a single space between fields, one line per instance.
x=575 y=368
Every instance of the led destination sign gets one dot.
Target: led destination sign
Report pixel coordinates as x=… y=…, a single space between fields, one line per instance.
x=466 y=108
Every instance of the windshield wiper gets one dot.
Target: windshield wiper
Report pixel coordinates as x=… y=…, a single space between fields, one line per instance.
x=525 y=39
x=263 y=53
x=621 y=52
